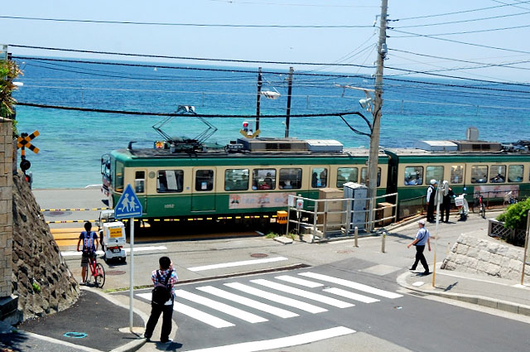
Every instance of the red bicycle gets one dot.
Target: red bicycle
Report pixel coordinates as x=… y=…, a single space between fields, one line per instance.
x=97 y=271
x=482 y=206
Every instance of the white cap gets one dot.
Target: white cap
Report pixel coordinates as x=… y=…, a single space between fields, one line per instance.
x=433 y=182
x=421 y=222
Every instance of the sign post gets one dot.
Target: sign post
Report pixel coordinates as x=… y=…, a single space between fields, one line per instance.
x=129 y=206
x=526 y=256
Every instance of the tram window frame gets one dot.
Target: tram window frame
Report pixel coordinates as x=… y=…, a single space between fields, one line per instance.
x=264 y=179
x=236 y=179
x=164 y=186
x=120 y=177
x=520 y=174
x=416 y=181
x=436 y=174
x=497 y=174
x=139 y=181
x=319 y=177
x=204 y=183
x=474 y=173
x=364 y=176
x=457 y=174
x=341 y=180
x=291 y=175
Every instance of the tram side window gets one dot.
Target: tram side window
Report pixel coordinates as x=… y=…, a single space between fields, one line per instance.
x=498 y=173
x=169 y=181
x=515 y=173
x=434 y=172
x=346 y=174
x=413 y=175
x=139 y=182
x=364 y=175
x=236 y=179
x=457 y=174
x=290 y=178
x=479 y=174
x=204 y=180
x=319 y=177
x=264 y=179
x=119 y=177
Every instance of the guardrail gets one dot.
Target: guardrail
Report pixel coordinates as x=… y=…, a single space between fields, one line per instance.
x=325 y=218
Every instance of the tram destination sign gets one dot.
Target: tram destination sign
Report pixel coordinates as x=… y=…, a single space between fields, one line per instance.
x=129 y=205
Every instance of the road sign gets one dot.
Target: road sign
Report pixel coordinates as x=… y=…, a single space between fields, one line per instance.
x=24 y=141
x=129 y=205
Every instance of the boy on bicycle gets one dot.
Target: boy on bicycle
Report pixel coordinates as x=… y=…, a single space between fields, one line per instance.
x=90 y=243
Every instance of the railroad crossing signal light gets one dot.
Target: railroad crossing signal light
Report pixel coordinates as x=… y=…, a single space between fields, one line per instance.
x=25 y=164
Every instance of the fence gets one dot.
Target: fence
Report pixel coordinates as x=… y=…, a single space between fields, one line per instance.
x=497 y=229
x=324 y=218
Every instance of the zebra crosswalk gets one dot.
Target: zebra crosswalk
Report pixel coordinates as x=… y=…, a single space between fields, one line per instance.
x=284 y=296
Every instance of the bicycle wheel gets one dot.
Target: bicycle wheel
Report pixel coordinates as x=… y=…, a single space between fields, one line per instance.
x=99 y=279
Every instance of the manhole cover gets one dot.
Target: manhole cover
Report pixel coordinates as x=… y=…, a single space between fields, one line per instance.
x=114 y=272
x=259 y=255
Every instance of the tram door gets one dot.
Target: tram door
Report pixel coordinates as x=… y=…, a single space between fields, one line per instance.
x=203 y=194
x=140 y=184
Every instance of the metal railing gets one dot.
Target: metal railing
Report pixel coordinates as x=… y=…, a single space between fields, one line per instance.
x=322 y=218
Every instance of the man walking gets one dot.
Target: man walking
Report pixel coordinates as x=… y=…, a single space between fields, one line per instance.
x=164 y=281
x=422 y=238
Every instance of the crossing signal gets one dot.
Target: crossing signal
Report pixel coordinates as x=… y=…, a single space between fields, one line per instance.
x=24 y=141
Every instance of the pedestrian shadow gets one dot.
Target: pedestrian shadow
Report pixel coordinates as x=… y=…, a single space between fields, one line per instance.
x=14 y=341
x=450 y=287
x=173 y=346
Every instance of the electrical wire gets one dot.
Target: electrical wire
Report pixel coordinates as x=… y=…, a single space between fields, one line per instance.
x=467 y=20
x=468 y=32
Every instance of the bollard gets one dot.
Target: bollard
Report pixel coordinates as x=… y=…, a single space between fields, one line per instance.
x=383 y=242
x=356 y=236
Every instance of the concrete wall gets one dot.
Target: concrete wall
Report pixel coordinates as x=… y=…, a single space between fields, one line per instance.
x=6 y=204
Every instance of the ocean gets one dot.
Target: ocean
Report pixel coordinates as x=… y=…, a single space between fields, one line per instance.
x=71 y=142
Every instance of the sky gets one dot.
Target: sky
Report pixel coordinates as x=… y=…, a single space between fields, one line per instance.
x=453 y=38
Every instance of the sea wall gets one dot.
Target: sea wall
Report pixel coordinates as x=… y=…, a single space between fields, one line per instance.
x=487 y=257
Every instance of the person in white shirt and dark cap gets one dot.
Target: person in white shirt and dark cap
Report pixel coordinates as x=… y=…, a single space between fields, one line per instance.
x=422 y=239
x=431 y=195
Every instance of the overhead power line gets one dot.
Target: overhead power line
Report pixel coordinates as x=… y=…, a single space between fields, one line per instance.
x=459 y=12
x=467 y=20
x=469 y=32
x=172 y=24
x=190 y=58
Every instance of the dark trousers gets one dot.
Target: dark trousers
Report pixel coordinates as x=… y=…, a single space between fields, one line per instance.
x=430 y=211
x=420 y=258
x=156 y=310
x=446 y=207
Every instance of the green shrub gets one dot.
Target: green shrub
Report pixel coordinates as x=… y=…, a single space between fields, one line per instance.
x=515 y=216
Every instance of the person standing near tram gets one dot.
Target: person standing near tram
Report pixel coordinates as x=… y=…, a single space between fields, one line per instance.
x=90 y=243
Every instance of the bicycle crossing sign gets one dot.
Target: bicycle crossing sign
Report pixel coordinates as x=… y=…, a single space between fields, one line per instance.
x=129 y=205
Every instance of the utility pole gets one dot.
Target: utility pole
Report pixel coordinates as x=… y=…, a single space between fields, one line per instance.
x=378 y=104
x=258 y=98
x=289 y=91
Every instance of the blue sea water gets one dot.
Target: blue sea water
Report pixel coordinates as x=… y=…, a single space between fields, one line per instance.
x=72 y=142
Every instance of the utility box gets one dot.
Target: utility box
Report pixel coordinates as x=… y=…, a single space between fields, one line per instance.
x=384 y=210
x=334 y=216
x=357 y=214
x=113 y=240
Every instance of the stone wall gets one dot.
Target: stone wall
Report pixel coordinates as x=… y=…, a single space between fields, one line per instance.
x=41 y=278
x=488 y=257
x=6 y=225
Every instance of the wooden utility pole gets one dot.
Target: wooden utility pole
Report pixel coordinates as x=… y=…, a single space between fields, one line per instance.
x=258 y=98
x=289 y=91
x=378 y=104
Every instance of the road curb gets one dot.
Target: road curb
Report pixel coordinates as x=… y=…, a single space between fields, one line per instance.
x=473 y=299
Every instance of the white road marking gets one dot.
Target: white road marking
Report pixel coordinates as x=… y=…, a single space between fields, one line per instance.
x=276 y=298
x=283 y=342
x=136 y=249
x=225 y=308
x=233 y=264
x=298 y=281
x=282 y=313
x=194 y=313
x=351 y=295
x=298 y=292
x=352 y=284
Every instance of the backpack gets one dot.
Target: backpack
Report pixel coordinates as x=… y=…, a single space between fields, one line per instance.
x=161 y=293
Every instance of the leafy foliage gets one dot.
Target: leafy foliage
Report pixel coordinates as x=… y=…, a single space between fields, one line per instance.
x=515 y=217
x=9 y=71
